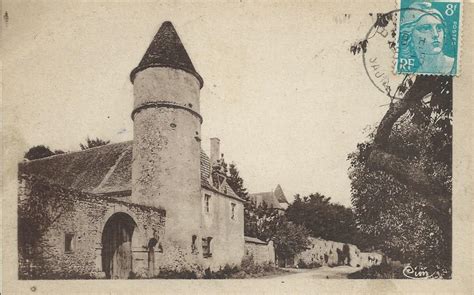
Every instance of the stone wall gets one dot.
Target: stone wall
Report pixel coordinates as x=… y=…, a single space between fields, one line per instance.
x=84 y=217
x=260 y=252
x=332 y=253
x=370 y=259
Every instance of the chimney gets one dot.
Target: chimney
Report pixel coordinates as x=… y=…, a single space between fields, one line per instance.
x=215 y=150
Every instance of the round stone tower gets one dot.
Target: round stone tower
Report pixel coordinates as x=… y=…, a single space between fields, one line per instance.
x=166 y=147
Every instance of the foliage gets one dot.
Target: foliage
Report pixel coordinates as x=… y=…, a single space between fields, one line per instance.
x=91 y=143
x=223 y=165
x=323 y=219
x=223 y=273
x=304 y=265
x=173 y=274
x=289 y=239
x=261 y=221
x=40 y=151
x=382 y=271
x=236 y=182
x=383 y=19
x=250 y=269
x=393 y=214
x=401 y=177
x=270 y=225
x=36 y=213
x=47 y=274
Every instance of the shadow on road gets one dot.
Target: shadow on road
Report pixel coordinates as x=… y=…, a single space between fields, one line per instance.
x=324 y=272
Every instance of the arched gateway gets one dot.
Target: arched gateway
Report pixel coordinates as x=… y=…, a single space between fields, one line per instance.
x=117 y=246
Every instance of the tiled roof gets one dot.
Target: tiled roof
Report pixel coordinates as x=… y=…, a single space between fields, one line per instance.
x=205 y=168
x=101 y=170
x=84 y=170
x=166 y=50
x=267 y=197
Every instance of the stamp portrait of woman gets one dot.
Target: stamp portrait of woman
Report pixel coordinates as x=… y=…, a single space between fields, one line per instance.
x=422 y=40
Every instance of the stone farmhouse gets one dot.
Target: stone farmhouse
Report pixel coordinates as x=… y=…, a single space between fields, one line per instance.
x=134 y=208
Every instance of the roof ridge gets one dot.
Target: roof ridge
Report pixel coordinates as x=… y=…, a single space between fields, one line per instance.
x=269 y=192
x=76 y=152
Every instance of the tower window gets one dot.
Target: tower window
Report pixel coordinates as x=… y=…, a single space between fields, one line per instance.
x=206 y=202
x=69 y=243
x=232 y=208
x=206 y=247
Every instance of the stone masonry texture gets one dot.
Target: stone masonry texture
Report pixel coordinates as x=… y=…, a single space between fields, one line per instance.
x=166 y=152
x=85 y=220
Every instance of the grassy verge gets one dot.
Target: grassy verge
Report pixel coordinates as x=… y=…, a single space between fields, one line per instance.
x=383 y=271
x=248 y=269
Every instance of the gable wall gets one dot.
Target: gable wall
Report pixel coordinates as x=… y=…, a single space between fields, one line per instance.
x=227 y=245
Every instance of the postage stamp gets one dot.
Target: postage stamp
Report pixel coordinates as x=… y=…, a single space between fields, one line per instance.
x=429 y=37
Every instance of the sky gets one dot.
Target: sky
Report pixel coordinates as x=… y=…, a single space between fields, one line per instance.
x=281 y=90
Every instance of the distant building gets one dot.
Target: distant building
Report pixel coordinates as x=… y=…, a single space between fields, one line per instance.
x=274 y=199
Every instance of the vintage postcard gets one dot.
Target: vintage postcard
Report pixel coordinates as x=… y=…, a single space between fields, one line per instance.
x=247 y=147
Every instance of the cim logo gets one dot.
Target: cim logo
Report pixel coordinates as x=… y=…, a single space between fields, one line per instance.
x=420 y=273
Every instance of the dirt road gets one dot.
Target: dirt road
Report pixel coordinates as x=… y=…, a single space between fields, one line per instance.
x=324 y=272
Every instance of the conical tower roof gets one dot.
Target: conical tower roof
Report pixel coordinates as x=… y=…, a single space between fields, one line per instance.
x=166 y=50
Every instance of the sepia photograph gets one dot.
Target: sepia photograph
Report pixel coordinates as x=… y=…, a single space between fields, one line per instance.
x=232 y=141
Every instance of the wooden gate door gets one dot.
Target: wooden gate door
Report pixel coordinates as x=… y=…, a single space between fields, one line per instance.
x=117 y=246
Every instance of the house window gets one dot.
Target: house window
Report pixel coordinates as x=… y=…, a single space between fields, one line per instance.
x=206 y=202
x=68 y=243
x=193 y=245
x=232 y=207
x=206 y=247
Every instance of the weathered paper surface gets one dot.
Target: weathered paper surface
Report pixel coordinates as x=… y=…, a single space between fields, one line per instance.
x=52 y=99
